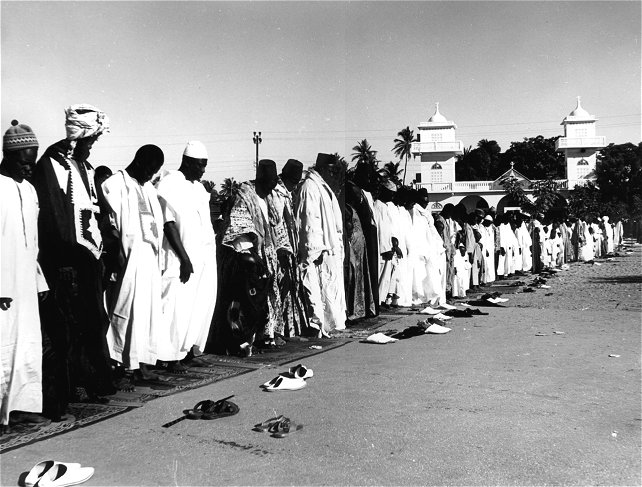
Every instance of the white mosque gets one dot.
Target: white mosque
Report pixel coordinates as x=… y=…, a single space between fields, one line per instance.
x=436 y=150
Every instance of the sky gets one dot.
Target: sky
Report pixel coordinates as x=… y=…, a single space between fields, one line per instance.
x=316 y=76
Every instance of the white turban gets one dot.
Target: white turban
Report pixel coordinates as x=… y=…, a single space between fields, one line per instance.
x=84 y=121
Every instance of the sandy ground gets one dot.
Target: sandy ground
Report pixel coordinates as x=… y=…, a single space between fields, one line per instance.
x=491 y=403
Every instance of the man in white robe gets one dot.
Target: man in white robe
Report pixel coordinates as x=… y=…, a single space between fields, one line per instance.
x=188 y=259
x=21 y=282
x=430 y=282
x=320 y=227
x=136 y=318
x=507 y=243
x=385 y=222
x=525 y=242
x=608 y=236
x=402 y=276
x=488 y=249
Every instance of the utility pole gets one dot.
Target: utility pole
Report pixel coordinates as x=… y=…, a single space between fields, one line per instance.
x=257 y=140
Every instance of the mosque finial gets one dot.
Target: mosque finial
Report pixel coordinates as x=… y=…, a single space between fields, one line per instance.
x=579 y=101
x=437 y=107
x=511 y=165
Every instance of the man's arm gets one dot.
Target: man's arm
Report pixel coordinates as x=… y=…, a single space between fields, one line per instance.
x=174 y=239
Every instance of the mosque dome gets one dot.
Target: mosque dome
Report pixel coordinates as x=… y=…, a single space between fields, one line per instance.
x=579 y=112
x=437 y=117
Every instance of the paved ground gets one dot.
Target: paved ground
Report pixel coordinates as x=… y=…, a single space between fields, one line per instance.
x=490 y=403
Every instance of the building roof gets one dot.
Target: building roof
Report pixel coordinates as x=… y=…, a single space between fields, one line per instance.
x=511 y=173
x=579 y=114
x=437 y=117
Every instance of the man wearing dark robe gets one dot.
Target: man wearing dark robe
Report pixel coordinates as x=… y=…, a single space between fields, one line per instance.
x=74 y=315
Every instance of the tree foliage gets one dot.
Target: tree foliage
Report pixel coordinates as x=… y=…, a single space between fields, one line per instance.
x=546 y=194
x=403 y=146
x=364 y=154
x=535 y=158
x=619 y=178
x=516 y=194
x=480 y=163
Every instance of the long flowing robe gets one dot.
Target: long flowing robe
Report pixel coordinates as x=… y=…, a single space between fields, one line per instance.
x=385 y=231
x=568 y=246
x=508 y=242
x=518 y=262
x=294 y=303
x=429 y=276
x=597 y=239
x=357 y=269
x=74 y=318
x=402 y=274
x=136 y=315
x=320 y=227
x=249 y=228
x=585 y=241
x=448 y=237
x=20 y=279
x=361 y=203
x=462 y=271
x=525 y=243
x=187 y=307
x=608 y=245
x=618 y=235
x=488 y=250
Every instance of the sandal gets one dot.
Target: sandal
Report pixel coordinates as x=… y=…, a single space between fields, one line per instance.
x=208 y=409
x=282 y=428
x=265 y=425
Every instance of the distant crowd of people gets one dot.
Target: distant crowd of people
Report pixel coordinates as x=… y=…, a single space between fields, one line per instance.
x=108 y=278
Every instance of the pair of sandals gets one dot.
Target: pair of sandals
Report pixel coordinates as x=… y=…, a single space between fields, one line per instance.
x=212 y=409
x=50 y=473
x=292 y=380
x=278 y=427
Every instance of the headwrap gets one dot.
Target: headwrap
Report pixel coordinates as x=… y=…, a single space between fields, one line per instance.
x=85 y=121
x=195 y=150
x=488 y=217
x=18 y=137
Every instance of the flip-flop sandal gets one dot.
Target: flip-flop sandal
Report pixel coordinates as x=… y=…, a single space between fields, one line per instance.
x=265 y=425
x=220 y=409
x=286 y=384
x=197 y=411
x=283 y=428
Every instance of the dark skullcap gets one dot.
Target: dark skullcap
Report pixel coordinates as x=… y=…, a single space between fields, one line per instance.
x=293 y=170
x=18 y=137
x=422 y=192
x=266 y=169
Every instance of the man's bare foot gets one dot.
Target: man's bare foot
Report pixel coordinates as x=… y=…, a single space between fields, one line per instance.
x=176 y=368
x=125 y=384
x=28 y=418
x=145 y=374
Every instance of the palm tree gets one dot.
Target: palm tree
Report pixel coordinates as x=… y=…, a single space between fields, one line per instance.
x=364 y=154
x=393 y=171
x=403 y=146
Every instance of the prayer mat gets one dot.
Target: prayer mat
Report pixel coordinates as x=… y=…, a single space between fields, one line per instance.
x=84 y=414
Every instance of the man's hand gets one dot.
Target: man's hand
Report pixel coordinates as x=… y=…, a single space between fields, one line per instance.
x=502 y=251
x=387 y=255
x=186 y=270
x=43 y=295
x=5 y=303
x=319 y=260
x=398 y=252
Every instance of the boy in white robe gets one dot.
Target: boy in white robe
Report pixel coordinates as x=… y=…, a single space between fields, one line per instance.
x=21 y=283
x=136 y=318
x=462 y=270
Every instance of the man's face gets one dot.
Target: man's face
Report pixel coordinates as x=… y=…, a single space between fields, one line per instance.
x=487 y=223
x=20 y=163
x=195 y=168
x=149 y=170
x=83 y=147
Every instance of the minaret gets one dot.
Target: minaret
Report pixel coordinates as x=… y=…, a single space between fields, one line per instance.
x=437 y=149
x=580 y=145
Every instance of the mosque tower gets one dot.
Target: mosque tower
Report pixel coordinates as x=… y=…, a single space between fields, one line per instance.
x=437 y=148
x=580 y=145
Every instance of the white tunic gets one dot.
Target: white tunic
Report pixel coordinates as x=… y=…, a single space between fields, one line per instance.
x=320 y=227
x=136 y=316
x=21 y=279
x=187 y=307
